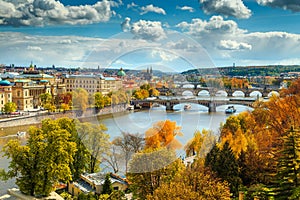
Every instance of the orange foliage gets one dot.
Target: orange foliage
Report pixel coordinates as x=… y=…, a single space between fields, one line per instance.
x=162 y=134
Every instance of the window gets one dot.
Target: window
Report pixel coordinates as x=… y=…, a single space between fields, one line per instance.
x=18 y=93
x=116 y=188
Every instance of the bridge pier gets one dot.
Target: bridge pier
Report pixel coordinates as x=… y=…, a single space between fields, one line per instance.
x=169 y=106
x=212 y=107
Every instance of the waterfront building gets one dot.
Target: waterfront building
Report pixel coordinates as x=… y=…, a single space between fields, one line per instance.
x=93 y=183
x=5 y=93
x=91 y=83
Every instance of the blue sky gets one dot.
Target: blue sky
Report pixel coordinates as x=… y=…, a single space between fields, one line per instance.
x=173 y=34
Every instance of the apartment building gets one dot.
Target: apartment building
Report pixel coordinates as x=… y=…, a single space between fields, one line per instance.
x=5 y=93
x=92 y=83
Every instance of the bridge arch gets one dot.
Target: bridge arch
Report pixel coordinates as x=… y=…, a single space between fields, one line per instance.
x=187 y=93
x=221 y=93
x=204 y=93
x=188 y=86
x=255 y=94
x=238 y=93
x=273 y=93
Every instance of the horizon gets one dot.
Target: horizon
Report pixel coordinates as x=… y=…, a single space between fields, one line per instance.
x=130 y=34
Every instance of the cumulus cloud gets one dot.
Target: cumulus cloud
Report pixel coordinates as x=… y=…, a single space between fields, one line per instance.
x=125 y=25
x=215 y=25
x=186 y=8
x=151 y=8
x=234 y=8
x=34 y=48
x=234 y=45
x=218 y=34
x=182 y=44
x=45 y=12
x=163 y=55
x=293 y=5
x=132 y=5
x=148 y=30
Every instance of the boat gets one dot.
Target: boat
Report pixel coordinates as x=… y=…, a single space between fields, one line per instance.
x=230 y=110
x=21 y=134
x=187 y=107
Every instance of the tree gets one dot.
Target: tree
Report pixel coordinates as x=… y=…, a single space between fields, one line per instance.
x=200 y=144
x=10 y=107
x=80 y=99
x=162 y=134
x=129 y=144
x=288 y=167
x=150 y=168
x=99 y=100
x=223 y=162
x=43 y=160
x=107 y=187
x=193 y=183
x=96 y=141
x=47 y=101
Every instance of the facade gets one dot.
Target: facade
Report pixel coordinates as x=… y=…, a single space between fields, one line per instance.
x=93 y=183
x=5 y=93
x=92 y=83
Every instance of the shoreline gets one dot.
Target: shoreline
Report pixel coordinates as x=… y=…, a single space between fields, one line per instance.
x=22 y=123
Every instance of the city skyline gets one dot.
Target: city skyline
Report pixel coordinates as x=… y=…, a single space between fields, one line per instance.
x=172 y=35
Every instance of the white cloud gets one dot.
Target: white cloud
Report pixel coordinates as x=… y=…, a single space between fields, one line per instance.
x=34 y=48
x=148 y=30
x=293 y=5
x=163 y=55
x=234 y=8
x=45 y=12
x=151 y=8
x=125 y=25
x=132 y=5
x=182 y=44
x=234 y=45
x=217 y=35
x=186 y=8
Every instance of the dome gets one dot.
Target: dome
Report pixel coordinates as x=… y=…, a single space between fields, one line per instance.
x=4 y=83
x=121 y=73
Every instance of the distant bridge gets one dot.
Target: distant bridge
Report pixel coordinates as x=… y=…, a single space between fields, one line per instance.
x=211 y=104
x=265 y=92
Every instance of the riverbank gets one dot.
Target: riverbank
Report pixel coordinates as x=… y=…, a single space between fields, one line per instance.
x=35 y=119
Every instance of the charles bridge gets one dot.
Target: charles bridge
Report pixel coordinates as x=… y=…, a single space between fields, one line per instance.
x=211 y=102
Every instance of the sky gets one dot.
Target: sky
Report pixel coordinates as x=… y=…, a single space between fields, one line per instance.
x=171 y=35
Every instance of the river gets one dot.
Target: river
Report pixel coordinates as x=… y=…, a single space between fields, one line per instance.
x=197 y=118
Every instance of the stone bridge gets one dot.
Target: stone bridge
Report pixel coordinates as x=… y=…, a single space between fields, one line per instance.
x=210 y=104
x=213 y=91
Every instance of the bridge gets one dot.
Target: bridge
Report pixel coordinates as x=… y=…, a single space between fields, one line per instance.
x=211 y=104
x=265 y=92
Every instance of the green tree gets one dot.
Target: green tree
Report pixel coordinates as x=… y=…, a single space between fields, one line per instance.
x=43 y=160
x=10 y=107
x=107 y=186
x=288 y=167
x=225 y=165
x=96 y=141
x=46 y=100
x=99 y=100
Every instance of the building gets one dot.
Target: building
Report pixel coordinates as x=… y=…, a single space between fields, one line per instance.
x=5 y=93
x=92 y=183
x=92 y=83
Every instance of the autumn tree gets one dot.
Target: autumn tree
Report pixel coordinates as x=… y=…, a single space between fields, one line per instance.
x=162 y=134
x=43 y=161
x=47 y=101
x=101 y=100
x=96 y=140
x=129 y=144
x=192 y=183
x=150 y=168
x=200 y=144
x=80 y=99
x=10 y=107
